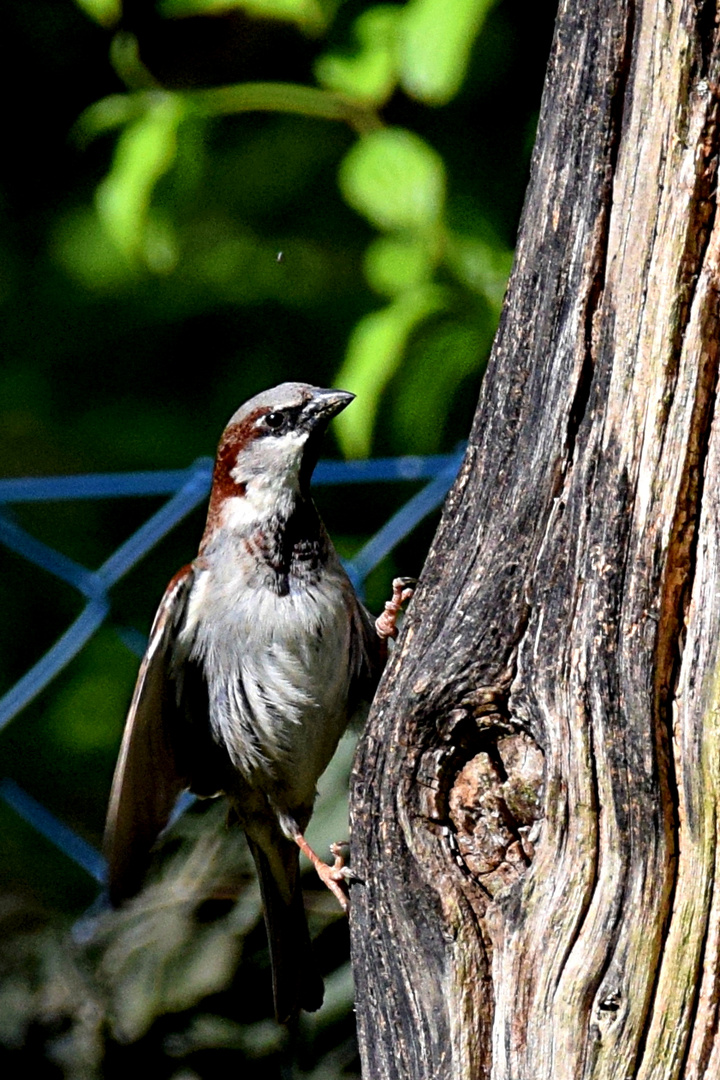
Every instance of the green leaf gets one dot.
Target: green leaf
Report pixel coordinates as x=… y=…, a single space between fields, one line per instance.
x=394 y=264
x=436 y=39
x=376 y=348
x=110 y=112
x=145 y=152
x=445 y=354
x=105 y=12
x=82 y=246
x=395 y=179
x=309 y=14
x=370 y=74
x=483 y=267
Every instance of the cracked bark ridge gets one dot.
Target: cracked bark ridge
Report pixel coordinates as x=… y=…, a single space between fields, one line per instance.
x=535 y=800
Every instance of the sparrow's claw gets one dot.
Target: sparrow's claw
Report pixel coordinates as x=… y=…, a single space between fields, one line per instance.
x=349 y=876
x=332 y=876
x=340 y=871
x=340 y=852
x=335 y=882
x=386 y=624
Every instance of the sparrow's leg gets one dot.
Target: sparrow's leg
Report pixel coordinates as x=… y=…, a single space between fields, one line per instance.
x=333 y=876
x=385 y=624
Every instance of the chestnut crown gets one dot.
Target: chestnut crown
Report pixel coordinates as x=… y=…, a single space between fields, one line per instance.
x=292 y=407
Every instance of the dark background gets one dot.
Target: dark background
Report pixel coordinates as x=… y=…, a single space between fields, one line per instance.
x=108 y=364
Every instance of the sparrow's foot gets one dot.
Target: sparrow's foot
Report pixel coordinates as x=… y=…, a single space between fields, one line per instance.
x=386 y=624
x=341 y=851
x=332 y=876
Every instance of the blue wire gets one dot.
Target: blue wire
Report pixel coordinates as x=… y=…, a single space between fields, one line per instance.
x=402 y=523
x=190 y=495
x=55 y=659
x=382 y=470
x=167 y=482
x=188 y=488
x=40 y=554
x=101 y=485
x=54 y=830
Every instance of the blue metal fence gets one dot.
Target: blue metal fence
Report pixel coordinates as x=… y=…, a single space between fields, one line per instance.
x=187 y=489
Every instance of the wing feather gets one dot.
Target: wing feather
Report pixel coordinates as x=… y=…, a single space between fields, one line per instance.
x=368 y=654
x=147 y=779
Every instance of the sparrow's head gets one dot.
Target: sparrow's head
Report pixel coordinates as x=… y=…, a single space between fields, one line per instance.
x=268 y=451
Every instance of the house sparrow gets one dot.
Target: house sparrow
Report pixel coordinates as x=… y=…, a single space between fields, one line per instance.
x=259 y=656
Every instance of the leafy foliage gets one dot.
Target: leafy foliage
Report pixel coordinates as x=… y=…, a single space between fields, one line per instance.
x=391 y=176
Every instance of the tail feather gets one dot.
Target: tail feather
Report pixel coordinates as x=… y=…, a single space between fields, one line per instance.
x=296 y=981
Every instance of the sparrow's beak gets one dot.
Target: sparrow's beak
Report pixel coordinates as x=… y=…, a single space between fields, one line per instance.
x=324 y=405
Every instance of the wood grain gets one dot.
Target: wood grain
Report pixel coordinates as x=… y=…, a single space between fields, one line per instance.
x=535 y=799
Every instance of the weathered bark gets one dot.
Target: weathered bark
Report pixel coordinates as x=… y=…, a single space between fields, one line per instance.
x=535 y=800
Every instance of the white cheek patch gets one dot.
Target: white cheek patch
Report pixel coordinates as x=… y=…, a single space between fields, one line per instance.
x=274 y=456
x=269 y=472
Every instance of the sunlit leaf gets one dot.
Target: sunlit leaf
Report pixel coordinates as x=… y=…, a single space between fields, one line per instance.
x=436 y=39
x=374 y=354
x=145 y=151
x=105 y=12
x=370 y=74
x=109 y=113
x=396 y=263
x=395 y=179
x=307 y=13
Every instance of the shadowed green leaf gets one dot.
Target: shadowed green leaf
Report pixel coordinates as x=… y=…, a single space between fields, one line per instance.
x=483 y=267
x=447 y=352
x=105 y=12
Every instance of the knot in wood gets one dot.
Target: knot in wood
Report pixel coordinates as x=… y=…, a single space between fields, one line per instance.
x=495 y=807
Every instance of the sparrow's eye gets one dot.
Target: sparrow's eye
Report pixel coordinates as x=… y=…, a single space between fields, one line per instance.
x=275 y=420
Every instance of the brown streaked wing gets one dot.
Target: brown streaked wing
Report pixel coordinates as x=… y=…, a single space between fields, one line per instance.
x=147 y=780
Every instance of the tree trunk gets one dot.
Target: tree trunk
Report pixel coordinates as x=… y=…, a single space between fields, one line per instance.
x=535 y=799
